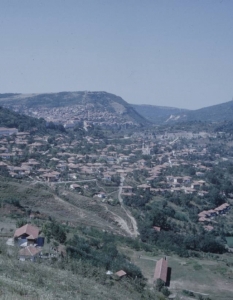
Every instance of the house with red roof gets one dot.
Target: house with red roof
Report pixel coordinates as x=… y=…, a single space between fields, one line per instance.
x=120 y=273
x=29 y=252
x=161 y=269
x=26 y=234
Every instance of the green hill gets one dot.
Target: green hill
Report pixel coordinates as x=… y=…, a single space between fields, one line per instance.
x=11 y=119
x=119 y=109
x=161 y=114
x=215 y=113
x=94 y=102
x=158 y=114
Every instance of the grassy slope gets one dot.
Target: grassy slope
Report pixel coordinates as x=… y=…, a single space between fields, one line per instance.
x=67 y=206
x=20 y=280
x=207 y=275
x=214 y=113
x=157 y=114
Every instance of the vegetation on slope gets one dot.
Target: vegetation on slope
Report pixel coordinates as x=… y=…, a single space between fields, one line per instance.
x=162 y=115
x=11 y=119
x=101 y=100
x=62 y=279
x=157 y=114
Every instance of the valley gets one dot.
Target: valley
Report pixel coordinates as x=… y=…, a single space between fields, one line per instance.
x=116 y=197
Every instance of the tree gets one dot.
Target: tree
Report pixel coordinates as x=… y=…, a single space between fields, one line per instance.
x=21 y=222
x=54 y=230
x=159 y=285
x=165 y=291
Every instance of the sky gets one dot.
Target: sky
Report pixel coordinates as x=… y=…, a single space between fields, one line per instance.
x=175 y=53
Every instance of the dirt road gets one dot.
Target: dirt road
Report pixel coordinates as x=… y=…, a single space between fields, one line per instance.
x=134 y=228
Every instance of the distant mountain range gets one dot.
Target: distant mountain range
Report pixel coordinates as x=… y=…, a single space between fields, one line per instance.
x=162 y=115
x=70 y=108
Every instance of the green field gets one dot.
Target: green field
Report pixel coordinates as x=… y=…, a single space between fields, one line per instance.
x=209 y=276
x=230 y=241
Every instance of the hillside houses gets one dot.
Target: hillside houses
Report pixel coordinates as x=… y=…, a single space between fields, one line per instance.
x=59 y=159
x=27 y=234
x=30 y=243
x=7 y=131
x=207 y=214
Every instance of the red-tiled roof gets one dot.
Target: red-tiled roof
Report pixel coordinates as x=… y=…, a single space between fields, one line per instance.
x=202 y=219
x=120 y=273
x=29 y=251
x=27 y=229
x=156 y=228
x=161 y=270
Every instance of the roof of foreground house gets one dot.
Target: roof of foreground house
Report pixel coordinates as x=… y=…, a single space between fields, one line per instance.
x=161 y=270
x=29 y=251
x=120 y=273
x=27 y=229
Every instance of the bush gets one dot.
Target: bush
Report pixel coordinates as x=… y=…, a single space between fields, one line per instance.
x=165 y=291
x=21 y=222
x=188 y=293
x=159 y=285
x=54 y=230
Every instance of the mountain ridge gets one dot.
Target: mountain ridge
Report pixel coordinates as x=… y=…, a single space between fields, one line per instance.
x=106 y=109
x=160 y=114
x=96 y=107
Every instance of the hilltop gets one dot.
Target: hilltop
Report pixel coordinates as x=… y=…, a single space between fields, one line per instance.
x=72 y=108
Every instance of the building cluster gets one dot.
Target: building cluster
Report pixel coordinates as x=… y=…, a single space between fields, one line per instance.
x=28 y=240
x=205 y=215
x=76 y=115
x=152 y=157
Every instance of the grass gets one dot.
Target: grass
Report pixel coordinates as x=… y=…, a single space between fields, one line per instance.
x=207 y=275
x=66 y=206
x=61 y=280
x=229 y=241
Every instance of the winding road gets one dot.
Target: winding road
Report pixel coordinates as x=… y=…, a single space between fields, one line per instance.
x=133 y=231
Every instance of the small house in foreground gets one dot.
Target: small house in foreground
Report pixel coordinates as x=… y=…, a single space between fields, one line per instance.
x=120 y=273
x=27 y=234
x=29 y=253
x=161 y=269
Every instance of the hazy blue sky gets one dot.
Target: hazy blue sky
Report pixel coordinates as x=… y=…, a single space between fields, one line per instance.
x=172 y=53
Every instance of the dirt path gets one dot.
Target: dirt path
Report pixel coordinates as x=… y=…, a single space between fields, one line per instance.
x=147 y=258
x=178 y=285
x=122 y=223
x=134 y=228
x=74 y=181
x=129 y=226
x=198 y=293
x=58 y=182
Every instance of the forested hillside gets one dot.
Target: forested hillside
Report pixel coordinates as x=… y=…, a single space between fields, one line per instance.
x=11 y=119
